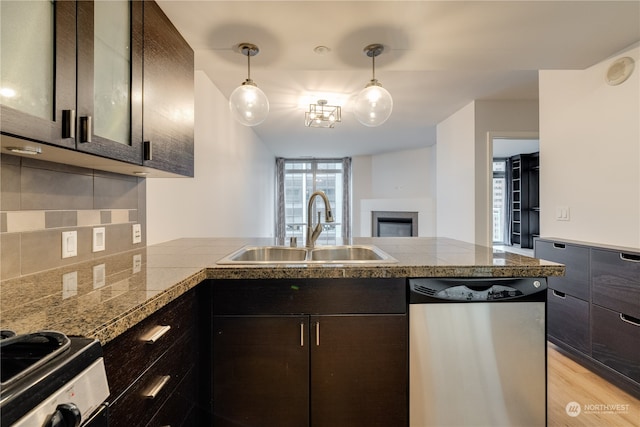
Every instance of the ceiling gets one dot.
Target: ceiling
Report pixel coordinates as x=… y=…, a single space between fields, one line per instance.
x=439 y=56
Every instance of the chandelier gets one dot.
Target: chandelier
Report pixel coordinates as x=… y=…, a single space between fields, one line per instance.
x=321 y=115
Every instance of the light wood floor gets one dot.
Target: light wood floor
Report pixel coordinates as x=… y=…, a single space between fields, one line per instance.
x=569 y=382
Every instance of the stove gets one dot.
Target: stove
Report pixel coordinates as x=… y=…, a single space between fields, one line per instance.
x=50 y=379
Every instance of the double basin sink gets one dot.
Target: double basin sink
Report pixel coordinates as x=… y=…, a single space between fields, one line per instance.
x=356 y=254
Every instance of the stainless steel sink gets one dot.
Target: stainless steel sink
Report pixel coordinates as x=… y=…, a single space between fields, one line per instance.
x=347 y=253
x=356 y=254
x=267 y=254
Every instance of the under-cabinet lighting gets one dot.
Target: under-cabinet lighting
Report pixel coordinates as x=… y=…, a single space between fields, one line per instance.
x=32 y=151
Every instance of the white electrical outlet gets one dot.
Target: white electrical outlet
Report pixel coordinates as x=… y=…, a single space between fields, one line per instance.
x=137 y=263
x=99 y=238
x=137 y=233
x=69 y=285
x=69 y=244
x=99 y=276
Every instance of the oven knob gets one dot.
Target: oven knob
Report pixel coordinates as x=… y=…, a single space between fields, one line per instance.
x=66 y=415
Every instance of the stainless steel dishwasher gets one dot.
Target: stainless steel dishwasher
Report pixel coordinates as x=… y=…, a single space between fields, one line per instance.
x=477 y=352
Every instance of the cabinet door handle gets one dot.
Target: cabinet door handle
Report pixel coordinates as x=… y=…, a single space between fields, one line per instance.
x=559 y=245
x=68 y=123
x=558 y=294
x=85 y=129
x=629 y=257
x=317 y=334
x=301 y=334
x=147 y=153
x=155 y=389
x=629 y=319
x=155 y=334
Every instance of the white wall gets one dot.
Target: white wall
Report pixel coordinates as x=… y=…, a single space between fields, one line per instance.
x=397 y=181
x=361 y=188
x=232 y=193
x=464 y=164
x=590 y=155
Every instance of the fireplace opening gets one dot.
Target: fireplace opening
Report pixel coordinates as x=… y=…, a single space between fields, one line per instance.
x=394 y=224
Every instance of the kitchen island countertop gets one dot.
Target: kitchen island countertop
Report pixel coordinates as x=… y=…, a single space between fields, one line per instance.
x=104 y=297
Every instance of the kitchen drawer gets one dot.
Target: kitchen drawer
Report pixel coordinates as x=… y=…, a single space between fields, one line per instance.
x=128 y=356
x=177 y=408
x=311 y=296
x=616 y=341
x=568 y=320
x=133 y=408
x=575 y=282
x=615 y=281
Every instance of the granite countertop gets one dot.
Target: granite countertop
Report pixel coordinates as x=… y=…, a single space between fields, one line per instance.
x=105 y=297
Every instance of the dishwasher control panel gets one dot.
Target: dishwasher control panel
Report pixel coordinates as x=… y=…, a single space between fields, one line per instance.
x=427 y=290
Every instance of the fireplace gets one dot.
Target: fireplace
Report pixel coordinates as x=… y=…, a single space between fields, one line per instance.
x=394 y=224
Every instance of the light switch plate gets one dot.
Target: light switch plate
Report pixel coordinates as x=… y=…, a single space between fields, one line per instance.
x=137 y=233
x=563 y=213
x=99 y=238
x=69 y=244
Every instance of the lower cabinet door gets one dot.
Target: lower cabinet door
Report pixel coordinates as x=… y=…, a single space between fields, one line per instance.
x=359 y=371
x=261 y=371
x=616 y=341
x=568 y=320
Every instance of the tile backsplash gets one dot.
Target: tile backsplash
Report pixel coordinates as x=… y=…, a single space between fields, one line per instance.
x=39 y=200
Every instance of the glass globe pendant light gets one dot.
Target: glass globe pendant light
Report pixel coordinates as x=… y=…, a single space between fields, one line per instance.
x=374 y=104
x=248 y=104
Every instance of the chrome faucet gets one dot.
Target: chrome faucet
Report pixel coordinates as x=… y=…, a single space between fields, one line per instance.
x=313 y=233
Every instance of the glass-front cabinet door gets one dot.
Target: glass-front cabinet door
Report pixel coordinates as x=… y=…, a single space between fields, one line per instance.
x=109 y=114
x=38 y=69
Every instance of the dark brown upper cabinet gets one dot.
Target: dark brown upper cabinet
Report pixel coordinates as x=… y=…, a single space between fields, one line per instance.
x=109 y=81
x=168 y=95
x=38 y=71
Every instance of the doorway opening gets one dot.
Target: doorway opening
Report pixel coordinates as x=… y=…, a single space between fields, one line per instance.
x=513 y=215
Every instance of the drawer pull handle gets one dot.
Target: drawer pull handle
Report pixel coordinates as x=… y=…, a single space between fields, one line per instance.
x=301 y=334
x=317 y=334
x=155 y=334
x=629 y=319
x=558 y=294
x=559 y=245
x=153 y=391
x=629 y=257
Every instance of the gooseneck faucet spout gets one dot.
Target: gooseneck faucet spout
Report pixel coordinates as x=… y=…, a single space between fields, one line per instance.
x=313 y=233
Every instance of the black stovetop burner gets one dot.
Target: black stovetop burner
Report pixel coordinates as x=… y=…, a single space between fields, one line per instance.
x=23 y=354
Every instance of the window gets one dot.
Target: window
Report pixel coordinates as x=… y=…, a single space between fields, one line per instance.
x=297 y=179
